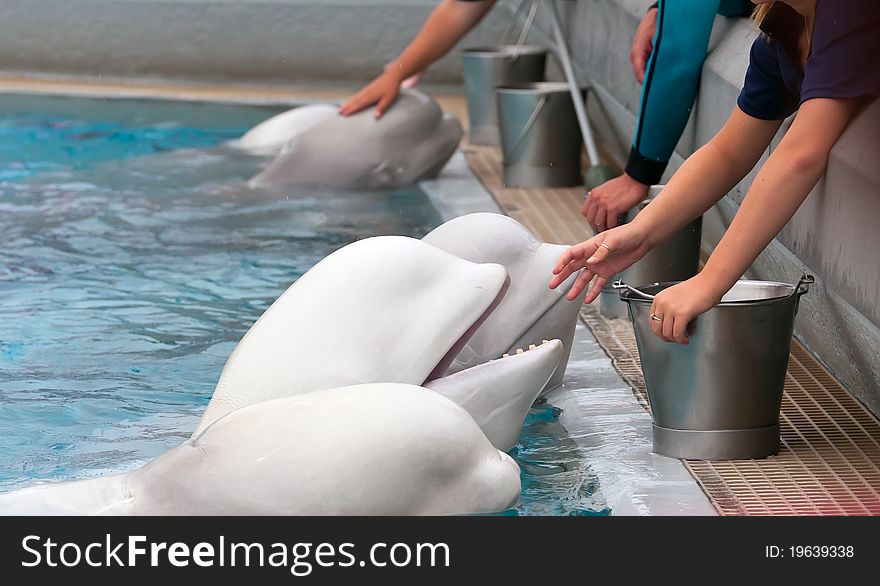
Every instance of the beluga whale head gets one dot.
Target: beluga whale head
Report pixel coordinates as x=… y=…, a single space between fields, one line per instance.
x=530 y=310
x=383 y=309
x=411 y=142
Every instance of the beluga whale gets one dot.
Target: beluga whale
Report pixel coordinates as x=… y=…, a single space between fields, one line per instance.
x=530 y=310
x=338 y=397
x=377 y=449
x=411 y=142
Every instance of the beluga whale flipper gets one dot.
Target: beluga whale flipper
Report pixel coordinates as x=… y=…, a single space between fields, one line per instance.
x=411 y=142
x=530 y=311
x=378 y=449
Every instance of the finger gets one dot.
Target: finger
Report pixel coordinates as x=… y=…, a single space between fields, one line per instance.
x=354 y=105
x=679 y=330
x=598 y=285
x=603 y=249
x=383 y=105
x=655 y=325
x=611 y=219
x=668 y=323
x=592 y=210
x=574 y=253
x=585 y=207
x=569 y=269
x=579 y=285
x=638 y=63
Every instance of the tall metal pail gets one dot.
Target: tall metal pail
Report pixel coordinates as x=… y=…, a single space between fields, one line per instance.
x=718 y=397
x=486 y=68
x=540 y=138
x=676 y=259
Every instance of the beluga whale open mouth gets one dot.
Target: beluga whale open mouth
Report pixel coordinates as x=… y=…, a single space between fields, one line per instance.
x=530 y=311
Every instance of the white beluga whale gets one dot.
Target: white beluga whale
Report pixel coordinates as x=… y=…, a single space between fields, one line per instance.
x=384 y=309
x=378 y=449
x=392 y=311
x=412 y=141
x=530 y=310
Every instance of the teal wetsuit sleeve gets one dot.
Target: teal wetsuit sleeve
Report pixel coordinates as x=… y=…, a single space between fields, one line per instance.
x=671 y=81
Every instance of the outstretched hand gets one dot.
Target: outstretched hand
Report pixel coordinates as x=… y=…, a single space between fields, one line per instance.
x=603 y=256
x=382 y=92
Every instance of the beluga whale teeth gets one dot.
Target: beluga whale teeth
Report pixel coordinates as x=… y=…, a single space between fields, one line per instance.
x=498 y=394
x=530 y=310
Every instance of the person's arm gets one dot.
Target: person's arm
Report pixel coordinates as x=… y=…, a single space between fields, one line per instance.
x=446 y=25
x=782 y=185
x=670 y=60
x=703 y=179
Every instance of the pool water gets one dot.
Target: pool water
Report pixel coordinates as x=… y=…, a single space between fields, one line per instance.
x=134 y=258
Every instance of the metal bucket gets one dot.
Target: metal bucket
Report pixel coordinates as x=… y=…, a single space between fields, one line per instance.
x=486 y=68
x=676 y=259
x=718 y=397
x=540 y=139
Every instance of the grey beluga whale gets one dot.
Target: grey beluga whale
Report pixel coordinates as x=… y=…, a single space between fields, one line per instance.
x=411 y=142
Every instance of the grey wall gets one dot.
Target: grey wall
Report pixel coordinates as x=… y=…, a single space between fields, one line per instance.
x=835 y=234
x=216 y=40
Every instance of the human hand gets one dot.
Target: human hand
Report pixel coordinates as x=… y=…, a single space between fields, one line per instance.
x=603 y=256
x=674 y=308
x=605 y=204
x=382 y=91
x=643 y=44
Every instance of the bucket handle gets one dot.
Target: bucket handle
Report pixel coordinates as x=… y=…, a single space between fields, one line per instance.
x=527 y=26
x=621 y=287
x=802 y=288
x=804 y=283
x=542 y=101
x=508 y=32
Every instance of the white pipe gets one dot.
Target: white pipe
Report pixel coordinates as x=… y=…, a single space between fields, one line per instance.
x=580 y=110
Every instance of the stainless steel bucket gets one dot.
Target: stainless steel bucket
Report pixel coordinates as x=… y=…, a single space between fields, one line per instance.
x=718 y=398
x=540 y=138
x=486 y=68
x=676 y=259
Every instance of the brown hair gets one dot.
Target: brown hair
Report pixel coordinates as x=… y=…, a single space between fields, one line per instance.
x=761 y=12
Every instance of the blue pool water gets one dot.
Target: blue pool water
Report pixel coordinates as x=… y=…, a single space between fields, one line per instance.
x=134 y=258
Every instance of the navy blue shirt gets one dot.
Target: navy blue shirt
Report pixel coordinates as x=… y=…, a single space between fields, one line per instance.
x=844 y=60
